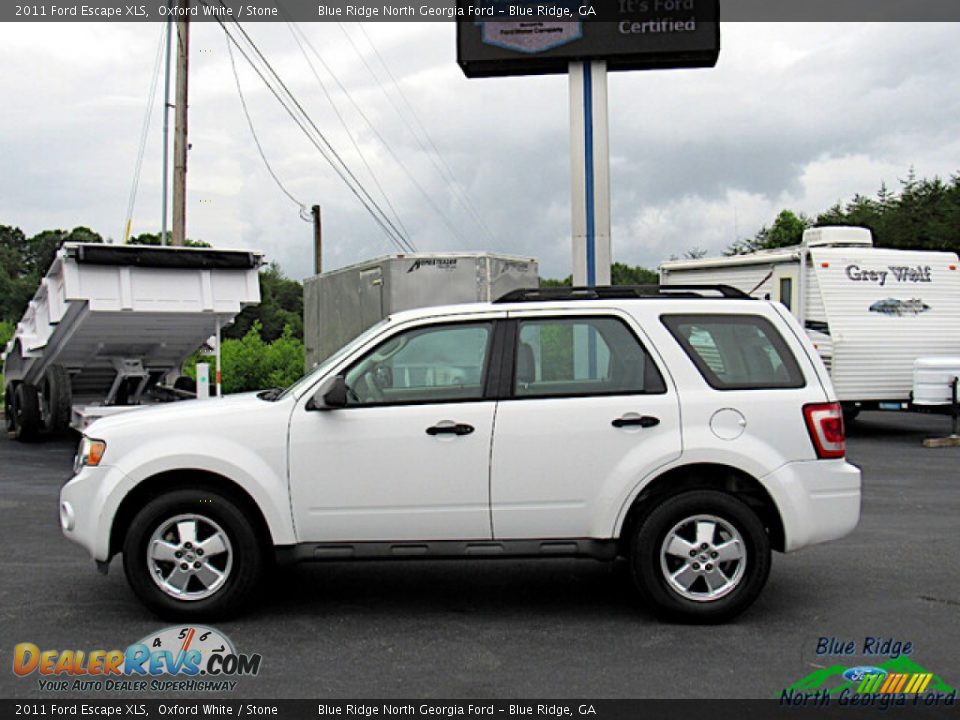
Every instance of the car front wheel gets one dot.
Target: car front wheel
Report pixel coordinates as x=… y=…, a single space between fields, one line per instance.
x=701 y=556
x=192 y=554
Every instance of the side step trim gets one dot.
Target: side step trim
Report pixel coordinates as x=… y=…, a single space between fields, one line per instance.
x=448 y=550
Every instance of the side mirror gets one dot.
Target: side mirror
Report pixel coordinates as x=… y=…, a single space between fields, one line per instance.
x=331 y=394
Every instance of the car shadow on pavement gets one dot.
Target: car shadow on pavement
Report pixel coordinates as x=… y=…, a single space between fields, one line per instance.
x=902 y=428
x=426 y=588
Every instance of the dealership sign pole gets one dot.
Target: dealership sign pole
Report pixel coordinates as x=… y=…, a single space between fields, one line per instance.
x=590 y=172
x=523 y=37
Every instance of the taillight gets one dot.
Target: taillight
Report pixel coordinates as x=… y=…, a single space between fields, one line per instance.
x=825 y=424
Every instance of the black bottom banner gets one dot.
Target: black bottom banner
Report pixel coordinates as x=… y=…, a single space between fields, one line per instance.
x=444 y=709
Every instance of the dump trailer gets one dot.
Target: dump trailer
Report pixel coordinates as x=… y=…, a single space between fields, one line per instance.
x=341 y=304
x=870 y=312
x=109 y=323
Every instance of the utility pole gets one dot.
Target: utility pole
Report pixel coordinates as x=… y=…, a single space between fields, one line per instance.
x=166 y=132
x=317 y=240
x=180 y=127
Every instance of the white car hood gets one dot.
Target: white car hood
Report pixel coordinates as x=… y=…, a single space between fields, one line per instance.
x=187 y=412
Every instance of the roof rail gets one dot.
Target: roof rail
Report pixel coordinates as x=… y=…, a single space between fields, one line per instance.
x=620 y=292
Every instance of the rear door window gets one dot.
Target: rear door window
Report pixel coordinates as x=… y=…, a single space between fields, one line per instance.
x=736 y=352
x=569 y=357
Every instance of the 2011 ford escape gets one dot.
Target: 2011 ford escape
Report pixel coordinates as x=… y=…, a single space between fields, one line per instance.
x=689 y=434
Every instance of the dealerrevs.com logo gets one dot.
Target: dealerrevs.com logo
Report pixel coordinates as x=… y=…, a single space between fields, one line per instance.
x=190 y=658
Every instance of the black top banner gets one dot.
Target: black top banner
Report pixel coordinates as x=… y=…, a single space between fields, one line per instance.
x=476 y=11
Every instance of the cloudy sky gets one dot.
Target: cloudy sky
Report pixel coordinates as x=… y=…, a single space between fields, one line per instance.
x=793 y=115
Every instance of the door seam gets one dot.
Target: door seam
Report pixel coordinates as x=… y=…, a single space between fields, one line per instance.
x=493 y=434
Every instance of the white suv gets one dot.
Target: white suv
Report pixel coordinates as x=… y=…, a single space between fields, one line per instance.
x=688 y=434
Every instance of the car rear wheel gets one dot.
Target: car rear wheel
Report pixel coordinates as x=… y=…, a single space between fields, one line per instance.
x=193 y=554
x=701 y=556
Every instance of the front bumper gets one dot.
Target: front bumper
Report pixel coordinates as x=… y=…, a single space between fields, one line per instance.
x=818 y=500
x=87 y=508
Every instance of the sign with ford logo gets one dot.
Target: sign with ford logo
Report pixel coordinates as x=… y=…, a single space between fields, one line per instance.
x=535 y=37
x=856 y=674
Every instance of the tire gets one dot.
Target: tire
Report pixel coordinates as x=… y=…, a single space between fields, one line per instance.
x=698 y=595
x=8 y=407
x=186 y=383
x=57 y=399
x=26 y=413
x=850 y=413
x=203 y=597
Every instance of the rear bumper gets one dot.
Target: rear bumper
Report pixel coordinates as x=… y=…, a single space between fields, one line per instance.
x=818 y=500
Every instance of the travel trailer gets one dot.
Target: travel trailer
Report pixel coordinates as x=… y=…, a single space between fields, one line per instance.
x=870 y=312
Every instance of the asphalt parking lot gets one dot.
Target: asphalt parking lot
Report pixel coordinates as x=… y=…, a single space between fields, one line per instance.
x=544 y=629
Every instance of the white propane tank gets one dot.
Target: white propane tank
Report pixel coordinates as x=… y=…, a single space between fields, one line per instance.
x=933 y=380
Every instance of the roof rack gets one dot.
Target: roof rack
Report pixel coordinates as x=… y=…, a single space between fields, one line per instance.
x=620 y=292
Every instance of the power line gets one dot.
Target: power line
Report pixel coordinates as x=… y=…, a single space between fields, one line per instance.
x=343 y=169
x=446 y=221
x=144 y=132
x=443 y=167
x=293 y=108
x=387 y=146
x=293 y=31
x=256 y=140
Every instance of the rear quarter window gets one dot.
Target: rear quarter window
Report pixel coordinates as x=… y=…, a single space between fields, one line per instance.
x=736 y=352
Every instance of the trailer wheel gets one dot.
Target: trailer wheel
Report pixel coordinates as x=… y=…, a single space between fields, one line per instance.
x=57 y=399
x=26 y=412
x=850 y=412
x=185 y=383
x=8 y=406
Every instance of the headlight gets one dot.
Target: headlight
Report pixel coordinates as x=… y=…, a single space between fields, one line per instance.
x=90 y=453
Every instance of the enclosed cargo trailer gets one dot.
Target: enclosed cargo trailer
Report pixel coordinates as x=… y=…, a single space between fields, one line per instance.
x=341 y=304
x=109 y=322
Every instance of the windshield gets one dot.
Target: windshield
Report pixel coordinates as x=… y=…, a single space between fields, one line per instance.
x=322 y=367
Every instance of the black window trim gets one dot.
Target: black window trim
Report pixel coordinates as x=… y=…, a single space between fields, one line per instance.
x=787 y=355
x=488 y=383
x=507 y=389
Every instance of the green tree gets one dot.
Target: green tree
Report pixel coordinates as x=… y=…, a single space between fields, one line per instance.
x=281 y=306
x=249 y=363
x=154 y=239
x=24 y=261
x=16 y=286
x=620 y=274
x=6 y=332
x=694 y=253
x=786 y=230
x=924 y=215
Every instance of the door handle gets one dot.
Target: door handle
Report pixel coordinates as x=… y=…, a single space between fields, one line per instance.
x=645 y=421
x=450 y=429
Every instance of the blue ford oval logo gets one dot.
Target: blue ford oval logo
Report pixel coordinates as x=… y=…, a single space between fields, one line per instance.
x=856 y=674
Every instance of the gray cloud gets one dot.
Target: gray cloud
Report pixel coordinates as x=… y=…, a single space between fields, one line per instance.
x=793 y=116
